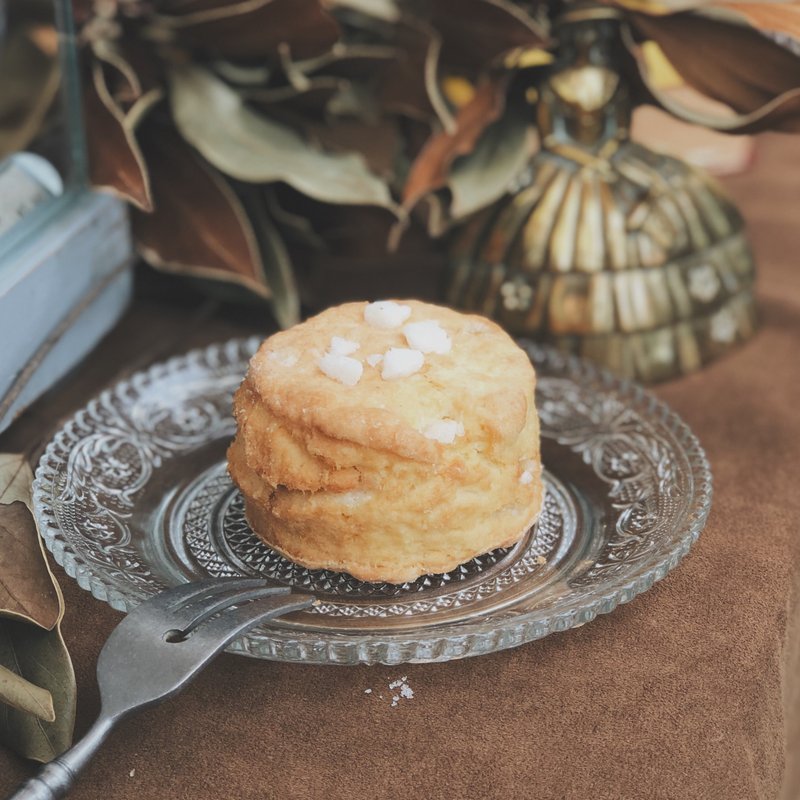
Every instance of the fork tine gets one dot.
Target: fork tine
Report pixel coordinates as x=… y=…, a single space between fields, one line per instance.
x=220 y=632
x=186 y=592
x=190 y=616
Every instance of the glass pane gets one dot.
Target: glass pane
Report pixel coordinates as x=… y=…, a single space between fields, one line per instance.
x=41 y=146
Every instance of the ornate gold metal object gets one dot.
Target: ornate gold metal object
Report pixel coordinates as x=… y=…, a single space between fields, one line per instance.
x=628 y=257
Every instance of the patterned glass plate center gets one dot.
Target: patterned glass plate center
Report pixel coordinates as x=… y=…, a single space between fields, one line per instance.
x=132 y=495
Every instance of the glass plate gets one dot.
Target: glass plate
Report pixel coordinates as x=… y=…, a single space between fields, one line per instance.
x=132 y=496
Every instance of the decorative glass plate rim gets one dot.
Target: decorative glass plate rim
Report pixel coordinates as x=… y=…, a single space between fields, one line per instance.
x=436 y=643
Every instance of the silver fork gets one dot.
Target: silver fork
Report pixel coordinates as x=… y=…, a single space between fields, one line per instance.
x=157 y=650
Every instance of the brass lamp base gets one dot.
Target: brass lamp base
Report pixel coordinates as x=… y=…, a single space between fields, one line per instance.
x=649 y=274
x=630 y=258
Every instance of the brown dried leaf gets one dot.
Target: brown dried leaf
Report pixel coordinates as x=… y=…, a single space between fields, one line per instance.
x=116 y=163
x=660 y=7
x=778 y=16
x=378 y=143
x=477 y=33
x=37 y=683
x=773 y=17
x=735 y=65
x=27 y=591
x=729 y=63
x=251 y=29
x=199 y=226
x=410 y=85
x=431 y=167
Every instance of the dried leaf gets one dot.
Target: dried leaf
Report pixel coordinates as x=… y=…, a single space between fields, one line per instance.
x=767 y=15
x=487 y=173
x=378 y=143
x=313 y=97
x=27 y=590
x=116 y=163
x=37 y=682
x=430 y=169
x=763 y=86
x=40 y=657
x=25 y=696
x=249 y=147
x=361 y=61
x=387 y=10
x=199 y=226
x=243 y=75
x=729 y=63
x=15 y=479
x=182 y=6
x=660 y=7
x=478 y=33
x=295 y=227
x=134 y=64
x=410 y=85
x=251 y=29
x=285 y=300
x=774 y=17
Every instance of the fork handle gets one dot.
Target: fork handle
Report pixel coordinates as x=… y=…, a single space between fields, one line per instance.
x=55 y=778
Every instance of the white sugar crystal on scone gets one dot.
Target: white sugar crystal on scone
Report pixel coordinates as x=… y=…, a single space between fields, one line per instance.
x=344 y=369
x=427 y=336
x=342 y=347
x=385 y=462
x=400 y=362
x=444 y=430
x=386 y=314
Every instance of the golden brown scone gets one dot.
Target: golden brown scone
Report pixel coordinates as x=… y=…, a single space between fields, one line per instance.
x=388 y=478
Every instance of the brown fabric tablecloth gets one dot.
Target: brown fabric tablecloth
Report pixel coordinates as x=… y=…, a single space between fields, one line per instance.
x=691 y=691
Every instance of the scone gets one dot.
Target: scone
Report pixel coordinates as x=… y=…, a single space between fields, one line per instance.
x=388 y=440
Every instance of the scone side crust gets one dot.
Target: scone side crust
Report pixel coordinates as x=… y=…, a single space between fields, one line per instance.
x=399 y=568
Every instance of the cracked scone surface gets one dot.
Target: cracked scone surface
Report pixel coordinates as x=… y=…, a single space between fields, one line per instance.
x=344 y=477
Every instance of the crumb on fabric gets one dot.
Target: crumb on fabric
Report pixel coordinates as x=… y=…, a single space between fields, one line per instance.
x=402 y=691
